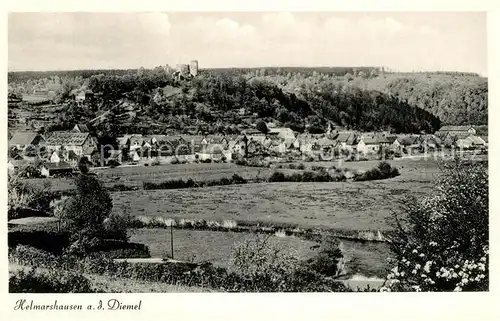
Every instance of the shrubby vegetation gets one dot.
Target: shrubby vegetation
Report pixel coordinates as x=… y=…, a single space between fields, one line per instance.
x=23 y=196
x=382 y=171
x=190 y=183
x=261 y=261
x=441 y=242
x=31 y=281
x=329 y=261
x=87 y=214
x=307 y=176
x=293 y=279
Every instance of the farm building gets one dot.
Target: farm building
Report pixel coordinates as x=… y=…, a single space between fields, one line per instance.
x=346 y=140
x=23 y=139
x=325 y=144
x=195 y=142
x=405 y=142
x=485 y=139
x=450 y=134
x=82 y=144
x=55 y=157
x=254 y=147
x=171 y=145
x=369 y=144
x=281 y=132
x=260 y=139
x=215 y=139
x=277 y=147
x=469 y=141
x=124 y=141
x=134 y=156
x=60 y=168
x=289 y=143
x=391 y=139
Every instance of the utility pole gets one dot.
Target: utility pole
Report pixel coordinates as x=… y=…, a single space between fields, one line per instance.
x=172 y=239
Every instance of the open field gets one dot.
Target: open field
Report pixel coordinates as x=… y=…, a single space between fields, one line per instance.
x=200 y=246
x=417 y=169
x=368 y=259
x=136 y=175
x=338 y=205
x=201 y=171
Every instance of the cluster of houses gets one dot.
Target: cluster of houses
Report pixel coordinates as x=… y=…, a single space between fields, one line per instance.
x=64 y=149
x=60 y=150
x=283 y=141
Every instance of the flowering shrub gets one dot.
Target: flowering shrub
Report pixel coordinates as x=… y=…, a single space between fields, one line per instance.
x=261 y=259
x=261 y=265
x=441 y=242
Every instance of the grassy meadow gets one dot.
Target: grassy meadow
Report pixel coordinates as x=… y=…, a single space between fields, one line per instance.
x=362 y=258
x=336 y=205
x=136 y=175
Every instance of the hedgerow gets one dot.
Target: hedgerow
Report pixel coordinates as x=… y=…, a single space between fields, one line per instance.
x=217 y=278
x=32 y=281
x=382 y=171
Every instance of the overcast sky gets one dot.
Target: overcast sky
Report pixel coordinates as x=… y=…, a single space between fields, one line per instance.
x=401 y=41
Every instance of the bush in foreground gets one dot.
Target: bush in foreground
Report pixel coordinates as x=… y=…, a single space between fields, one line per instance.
x=441 y=242
x=329 y=261
x=259 y=270
x=266 y=266
x=31 y=281
x=87 y=214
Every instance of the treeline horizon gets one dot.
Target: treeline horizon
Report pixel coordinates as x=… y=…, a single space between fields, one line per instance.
x=21 y=75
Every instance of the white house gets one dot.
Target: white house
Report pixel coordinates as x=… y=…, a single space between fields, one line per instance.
x=464 y=142
x=55 y=158
x=368 y=145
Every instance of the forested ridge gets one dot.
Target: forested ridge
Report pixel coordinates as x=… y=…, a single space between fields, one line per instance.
x=361 y=99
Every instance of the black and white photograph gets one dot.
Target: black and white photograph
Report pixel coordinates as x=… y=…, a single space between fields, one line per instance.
x=223 y=152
